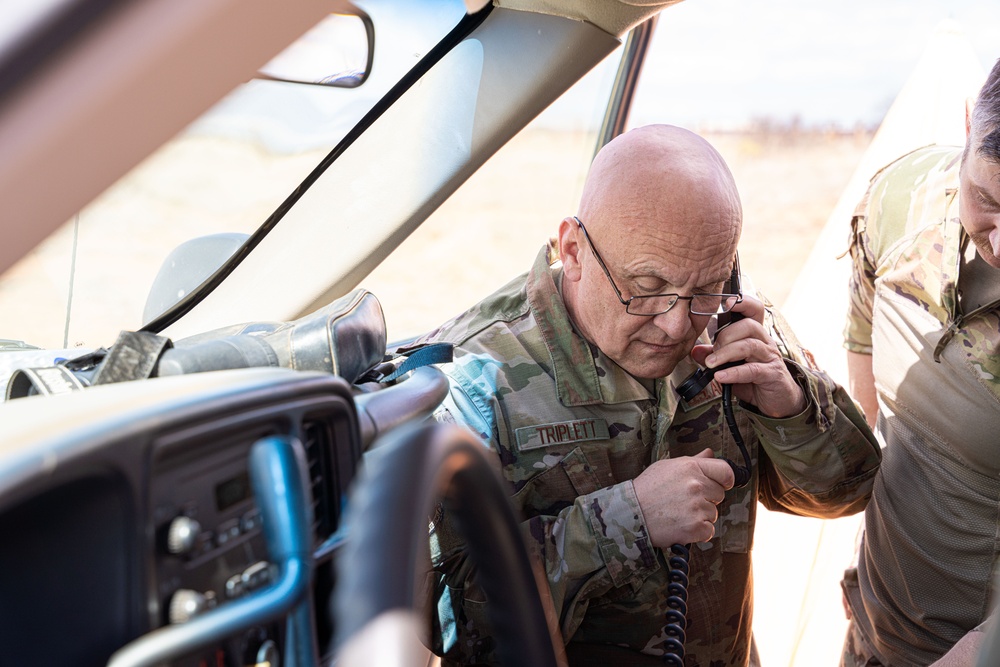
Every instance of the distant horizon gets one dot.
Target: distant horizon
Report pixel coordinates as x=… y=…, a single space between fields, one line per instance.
x=728 y=65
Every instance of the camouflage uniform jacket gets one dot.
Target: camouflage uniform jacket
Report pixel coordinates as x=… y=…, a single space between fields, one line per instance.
x=572 y=430
x=925 y=564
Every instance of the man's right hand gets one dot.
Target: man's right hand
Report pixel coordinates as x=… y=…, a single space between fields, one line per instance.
x=678 y=497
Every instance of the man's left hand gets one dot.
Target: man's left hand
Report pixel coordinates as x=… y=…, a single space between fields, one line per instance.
x=763 y=379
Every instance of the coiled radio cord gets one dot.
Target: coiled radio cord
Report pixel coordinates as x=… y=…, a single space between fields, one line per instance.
x=680 y=555
x=677 y=596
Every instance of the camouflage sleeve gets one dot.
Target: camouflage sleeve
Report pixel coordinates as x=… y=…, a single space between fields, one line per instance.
x=598 y=542
x=861 y=286
x=901 y=197
x=823 y=461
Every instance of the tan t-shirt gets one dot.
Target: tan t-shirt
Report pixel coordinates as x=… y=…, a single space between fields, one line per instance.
x=930 y=541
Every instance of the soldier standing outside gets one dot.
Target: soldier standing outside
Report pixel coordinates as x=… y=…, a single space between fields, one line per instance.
x=570 y=372
x=923 y=336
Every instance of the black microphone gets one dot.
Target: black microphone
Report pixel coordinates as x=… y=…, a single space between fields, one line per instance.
x=700 y=379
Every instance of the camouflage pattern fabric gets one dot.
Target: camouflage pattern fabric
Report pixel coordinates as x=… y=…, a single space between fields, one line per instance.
x=907 y=224
x=571 y=430
x=929 y=546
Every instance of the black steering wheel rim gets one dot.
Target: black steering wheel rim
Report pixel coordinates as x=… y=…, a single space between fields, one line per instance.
x=386 y=555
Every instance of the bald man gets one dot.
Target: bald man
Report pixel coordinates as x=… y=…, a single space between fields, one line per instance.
x=570 y=375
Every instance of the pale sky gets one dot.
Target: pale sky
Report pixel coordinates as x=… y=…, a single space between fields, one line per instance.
x=729 y=61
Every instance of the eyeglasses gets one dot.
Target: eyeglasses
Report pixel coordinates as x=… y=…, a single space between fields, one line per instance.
x=656 y=304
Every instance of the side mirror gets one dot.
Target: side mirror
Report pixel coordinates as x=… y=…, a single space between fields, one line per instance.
x=186 y=267
x=337 y=52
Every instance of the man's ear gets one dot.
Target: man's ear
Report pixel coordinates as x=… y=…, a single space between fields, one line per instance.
x=569 y=248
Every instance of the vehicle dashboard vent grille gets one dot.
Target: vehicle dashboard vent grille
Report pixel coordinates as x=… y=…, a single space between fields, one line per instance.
x=317 y=440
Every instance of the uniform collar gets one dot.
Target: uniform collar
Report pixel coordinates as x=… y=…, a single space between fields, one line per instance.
x=951 y=252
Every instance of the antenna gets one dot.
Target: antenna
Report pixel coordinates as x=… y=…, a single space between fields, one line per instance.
x=72 y=279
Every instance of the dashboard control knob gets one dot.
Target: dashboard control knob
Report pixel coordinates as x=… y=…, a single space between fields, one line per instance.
x=182 y=536
x=185 y=604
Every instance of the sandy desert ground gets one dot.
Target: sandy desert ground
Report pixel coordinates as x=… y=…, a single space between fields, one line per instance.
x=491 y=229
x=789 y=183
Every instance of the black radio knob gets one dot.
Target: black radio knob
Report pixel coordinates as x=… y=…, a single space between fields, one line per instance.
x=182 y=536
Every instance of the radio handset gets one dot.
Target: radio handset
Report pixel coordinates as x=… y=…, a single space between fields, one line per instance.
x=701 y=378
x=678 y=561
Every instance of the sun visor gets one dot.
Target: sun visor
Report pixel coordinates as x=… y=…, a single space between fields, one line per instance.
x=615 y=18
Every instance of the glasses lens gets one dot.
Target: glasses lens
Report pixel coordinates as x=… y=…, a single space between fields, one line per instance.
x=651 y=305
x=711 y=304
x=707 y=304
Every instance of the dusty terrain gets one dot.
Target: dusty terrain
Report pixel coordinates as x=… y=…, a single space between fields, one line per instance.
x=491 y=229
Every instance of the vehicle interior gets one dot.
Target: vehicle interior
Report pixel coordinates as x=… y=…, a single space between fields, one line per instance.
x=212 y=452
x=188 y=489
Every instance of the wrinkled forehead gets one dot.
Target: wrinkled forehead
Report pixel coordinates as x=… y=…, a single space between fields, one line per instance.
x=698 y=256
x=674 y=209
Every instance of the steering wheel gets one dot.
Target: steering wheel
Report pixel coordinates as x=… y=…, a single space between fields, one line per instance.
x=386 y=555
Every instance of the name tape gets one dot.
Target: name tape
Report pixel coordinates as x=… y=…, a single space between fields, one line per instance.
x=558 y=433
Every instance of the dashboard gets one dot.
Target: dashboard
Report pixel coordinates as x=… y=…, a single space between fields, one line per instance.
x=132 y=509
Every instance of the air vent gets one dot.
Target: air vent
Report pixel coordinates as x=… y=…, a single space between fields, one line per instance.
x=317 y=439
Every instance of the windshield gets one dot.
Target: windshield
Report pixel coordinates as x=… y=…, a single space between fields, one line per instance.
x=224 y=174
x=231 y=170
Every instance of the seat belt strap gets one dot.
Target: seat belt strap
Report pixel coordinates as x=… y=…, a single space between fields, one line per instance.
x=424 y=355
x=134 y=356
